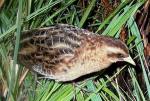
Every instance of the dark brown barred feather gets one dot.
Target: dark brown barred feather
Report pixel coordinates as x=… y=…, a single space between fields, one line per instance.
x=51 y=43
x=64 y=52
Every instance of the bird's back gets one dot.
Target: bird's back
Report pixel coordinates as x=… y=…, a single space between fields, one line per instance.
x=48 y=50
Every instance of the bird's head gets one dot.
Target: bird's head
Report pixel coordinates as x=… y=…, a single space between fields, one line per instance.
x=115 y=50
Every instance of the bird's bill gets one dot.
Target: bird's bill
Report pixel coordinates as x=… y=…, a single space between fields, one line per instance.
x=129 y=60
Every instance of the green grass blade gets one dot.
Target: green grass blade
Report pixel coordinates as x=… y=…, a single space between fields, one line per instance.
x=140 y=47
x=87 y=12
x=58 y=11
x=13 y=79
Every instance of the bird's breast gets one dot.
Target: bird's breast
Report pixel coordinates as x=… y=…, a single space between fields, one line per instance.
x=84 y=62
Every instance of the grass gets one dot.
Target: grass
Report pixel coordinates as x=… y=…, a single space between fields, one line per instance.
x=20 y=15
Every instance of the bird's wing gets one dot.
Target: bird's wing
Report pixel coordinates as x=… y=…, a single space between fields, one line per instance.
x=41 y=49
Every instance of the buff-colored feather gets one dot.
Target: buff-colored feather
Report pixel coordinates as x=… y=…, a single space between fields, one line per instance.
x=64 y=52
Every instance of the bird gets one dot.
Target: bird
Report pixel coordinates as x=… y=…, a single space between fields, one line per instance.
x=63 y=52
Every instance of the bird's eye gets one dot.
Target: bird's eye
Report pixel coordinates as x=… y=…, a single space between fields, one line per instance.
x=119 y=55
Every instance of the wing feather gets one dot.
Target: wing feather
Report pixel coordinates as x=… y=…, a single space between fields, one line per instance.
x=41 y=49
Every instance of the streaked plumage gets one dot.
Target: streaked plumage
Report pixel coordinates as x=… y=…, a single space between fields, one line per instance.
x=64 y=52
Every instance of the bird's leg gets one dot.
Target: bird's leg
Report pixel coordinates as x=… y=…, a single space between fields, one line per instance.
x=74 y=89
x=81 y=87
